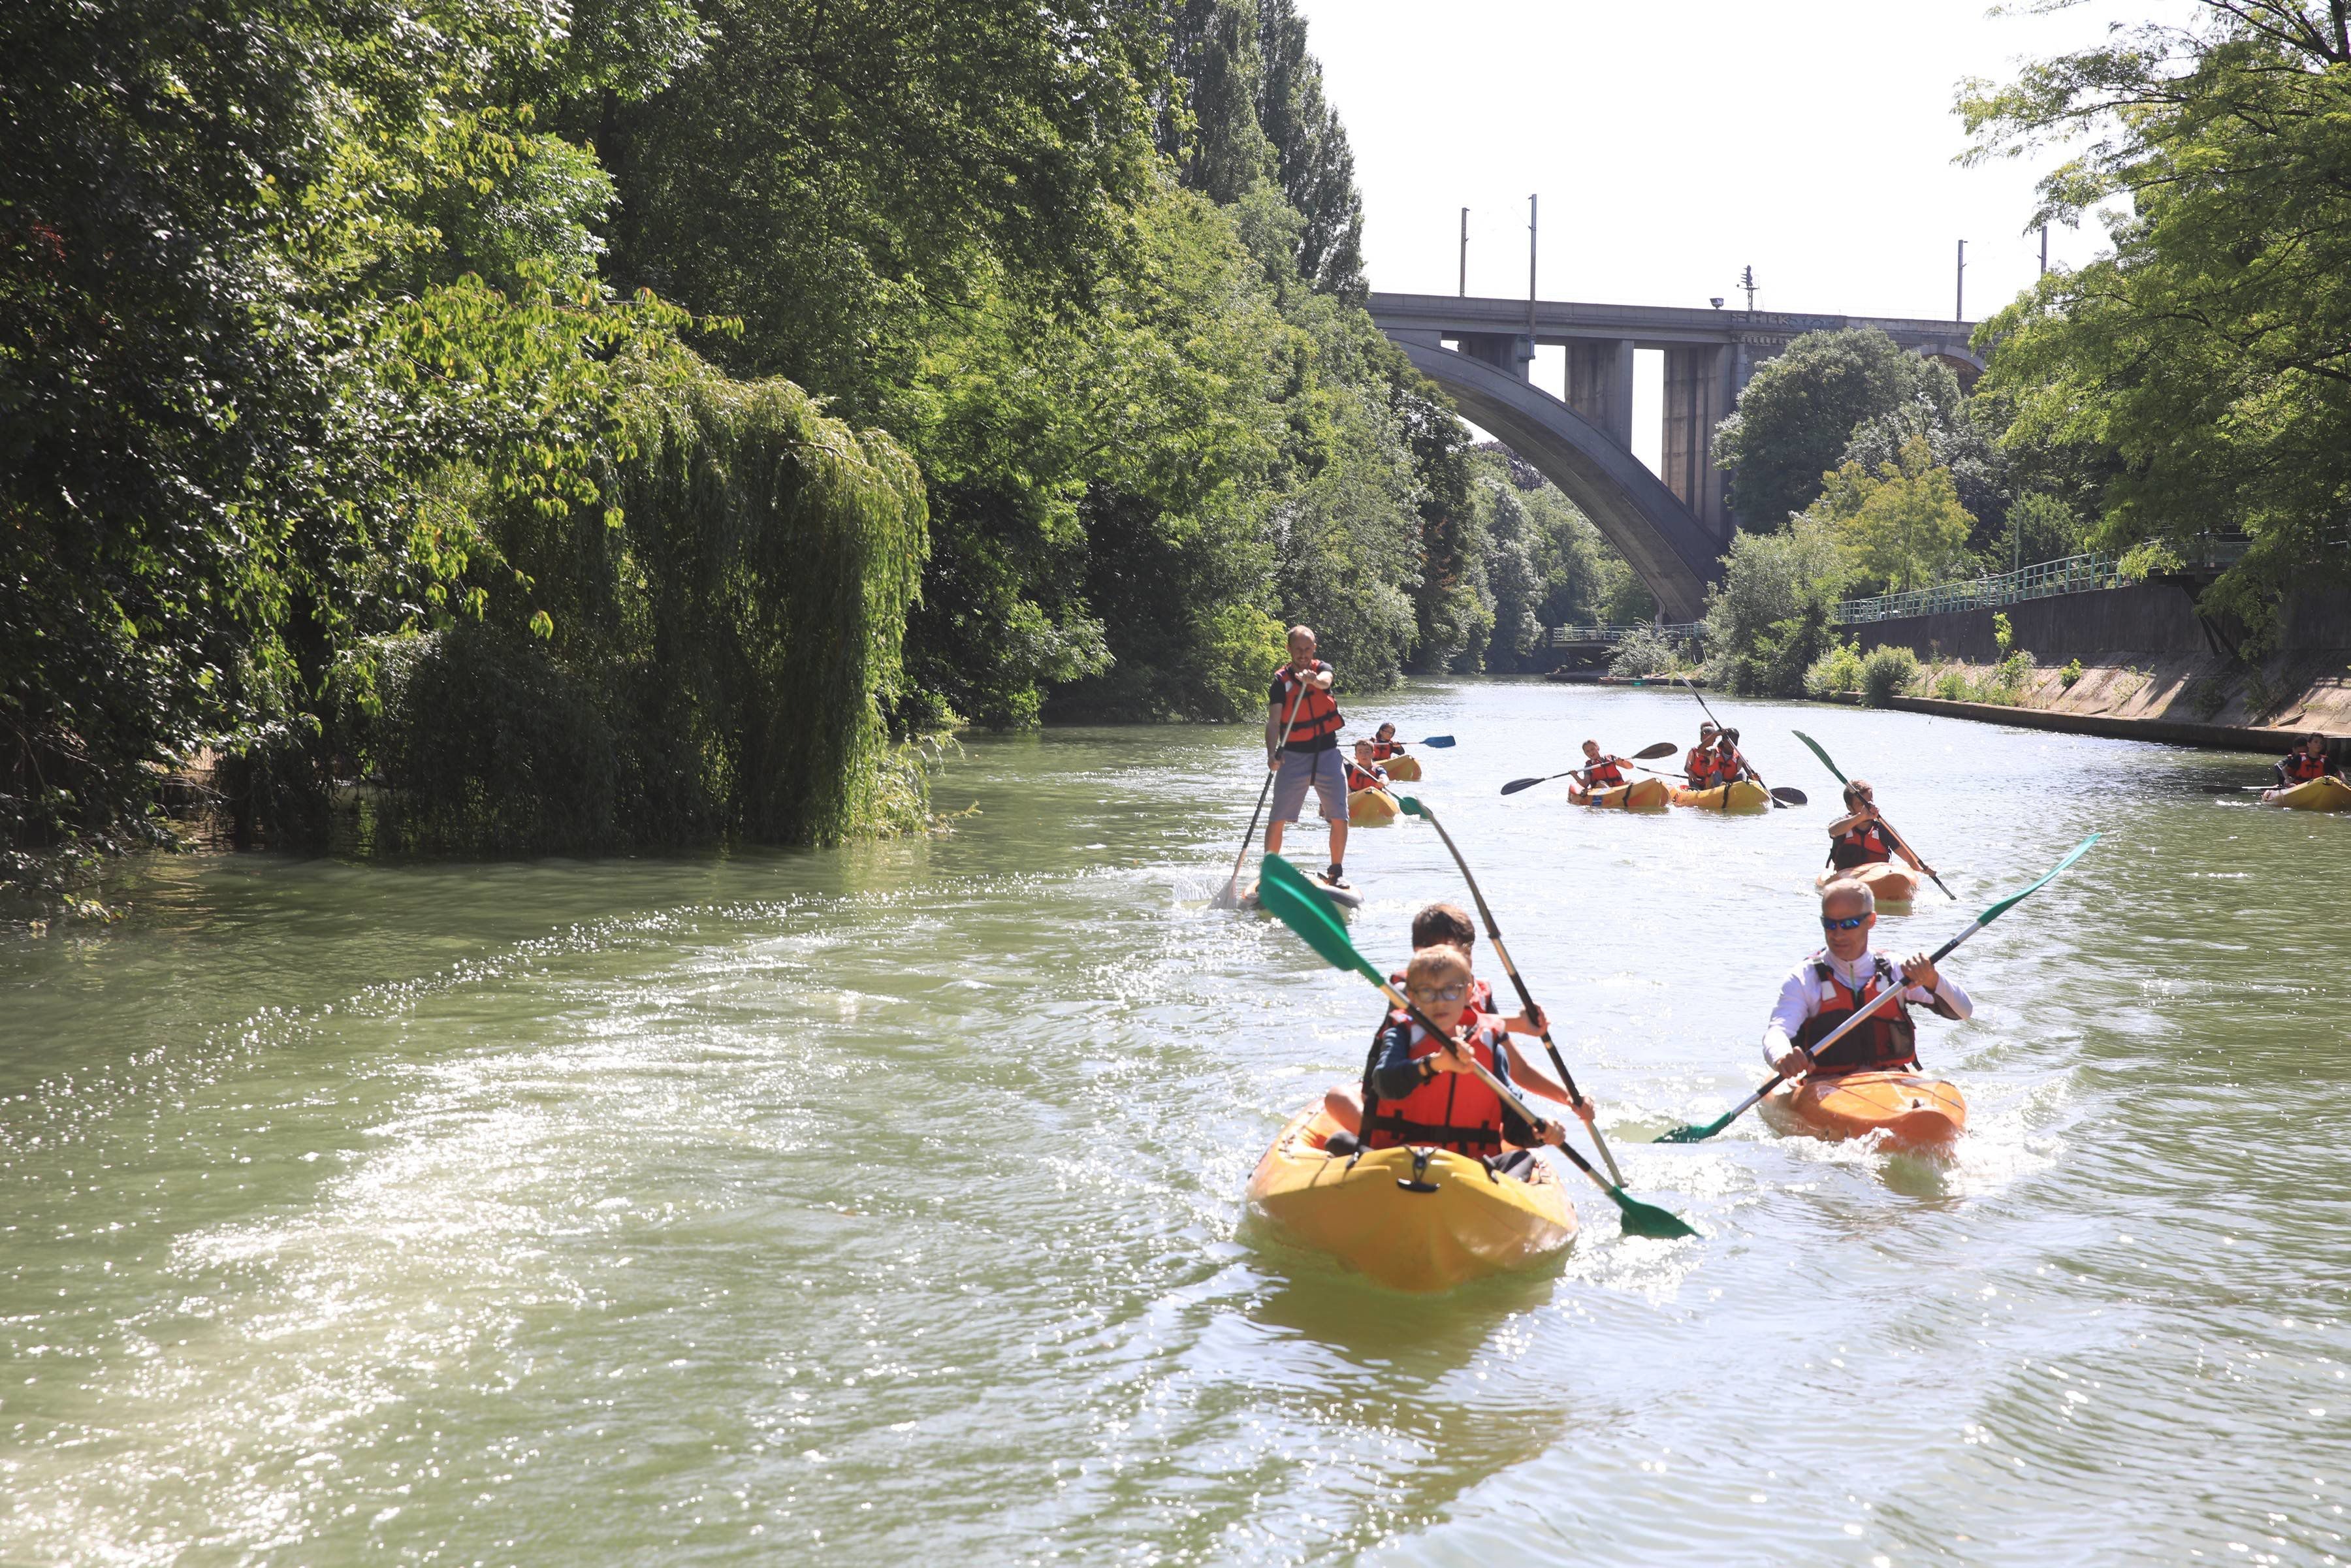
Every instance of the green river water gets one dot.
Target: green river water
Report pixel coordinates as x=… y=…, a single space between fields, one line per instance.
x=884 y=1205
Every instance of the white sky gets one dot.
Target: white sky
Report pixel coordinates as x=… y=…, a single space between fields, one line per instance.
x=1674 y=143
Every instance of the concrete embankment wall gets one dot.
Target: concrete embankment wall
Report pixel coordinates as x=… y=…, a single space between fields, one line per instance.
x=2152 y=668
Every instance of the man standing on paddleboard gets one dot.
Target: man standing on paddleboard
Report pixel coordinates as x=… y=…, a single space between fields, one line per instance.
x=1300 y=707
x=1824 y=990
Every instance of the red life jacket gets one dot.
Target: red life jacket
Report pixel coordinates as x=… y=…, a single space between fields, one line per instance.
x=1887 y=1042
x=1452 y=1110
x=1729 y=766
x=1383 y=749
x=1700 y=765
x=1865 y=846
x=2301 y=767
x=1604 y=774
x=1359 y=778
x=1318 y=720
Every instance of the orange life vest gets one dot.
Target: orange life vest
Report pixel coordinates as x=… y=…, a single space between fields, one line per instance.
x=1452 y=1110
x=1729 y=766
x=1865 y=846
x=1700 y=766
x=1383 y=749
x=1360 y=778
x=1317 y=721
x=2301 y=766
x=1604 y=774
x=1887 y=1042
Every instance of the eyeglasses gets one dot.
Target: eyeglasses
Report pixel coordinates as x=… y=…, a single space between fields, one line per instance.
x=1849 y=922
x=1439 y=993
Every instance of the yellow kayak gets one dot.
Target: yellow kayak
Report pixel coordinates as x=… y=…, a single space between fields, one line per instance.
x=1474 y=1224
x=1371 y=808
x=1640 y=795
x=1744 y=796
x=1904 y=1110
x=1403 y=769
x=1893 y=886
x=2311 y=795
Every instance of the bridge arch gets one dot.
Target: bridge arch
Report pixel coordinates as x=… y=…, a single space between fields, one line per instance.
x=1670 y=550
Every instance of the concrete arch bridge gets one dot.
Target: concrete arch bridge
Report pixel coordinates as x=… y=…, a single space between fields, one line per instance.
x=1673 y=528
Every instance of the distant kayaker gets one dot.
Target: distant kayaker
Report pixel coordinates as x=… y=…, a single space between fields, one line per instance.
x=1730 y=766
x=1859 y=838
x=1449 y=925
x=1364 y=772
x=1823 y=991
x=1384 y=743
x=1599 y=772
x=2305 y=762
x=1300 y=704
x=1701 y=763
x=1424 y=1096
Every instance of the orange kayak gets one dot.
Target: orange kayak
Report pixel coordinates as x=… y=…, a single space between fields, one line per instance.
x=1906 y=1110
x=1744 y=796
x=1640 y=795
x=1403 y=769
x=1895 y=886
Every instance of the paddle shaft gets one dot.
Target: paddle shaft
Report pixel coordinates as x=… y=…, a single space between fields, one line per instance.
x=1494 y=935
x=1777 y=804
x=1515 y=785
x=1232 y=887
x=1860 y=1014
x=1900 y=842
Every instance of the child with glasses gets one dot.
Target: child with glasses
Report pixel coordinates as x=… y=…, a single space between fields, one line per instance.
x=1420 y=1091
x=1826 y=988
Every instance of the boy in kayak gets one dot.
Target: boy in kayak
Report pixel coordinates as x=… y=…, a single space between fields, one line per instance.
x=1599 y=772
x=1425 y=1095
x=1856 y=839
x=1730 y=767
x=2305 y=763
x=1448 y=925
x=1384 y=743
x=1823 y=991
x=1364 y=772
x=1700 y=764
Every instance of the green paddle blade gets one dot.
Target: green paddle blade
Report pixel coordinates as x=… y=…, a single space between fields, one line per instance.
x=1286 y=895
x=1411 y=806
x=1823 y=755
x=1647 y=1219
x=1694 y=1134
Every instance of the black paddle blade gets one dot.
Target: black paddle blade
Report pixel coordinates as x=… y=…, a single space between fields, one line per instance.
x=1788 y=797
x=1515 y=785
x=1651 y=753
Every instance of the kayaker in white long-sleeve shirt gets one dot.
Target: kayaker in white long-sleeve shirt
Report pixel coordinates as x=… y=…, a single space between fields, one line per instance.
x=1824 y=990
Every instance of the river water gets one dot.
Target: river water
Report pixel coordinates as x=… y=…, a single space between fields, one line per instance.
x=885 y=1203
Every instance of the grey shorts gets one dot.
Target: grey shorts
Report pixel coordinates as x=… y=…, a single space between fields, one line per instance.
x=1325 y=770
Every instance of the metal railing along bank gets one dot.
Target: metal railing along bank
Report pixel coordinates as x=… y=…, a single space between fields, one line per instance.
x=1570 y=636
x=2073 y=574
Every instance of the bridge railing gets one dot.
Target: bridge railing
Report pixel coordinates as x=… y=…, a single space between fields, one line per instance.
x=2072 y=574
x=1611 y=632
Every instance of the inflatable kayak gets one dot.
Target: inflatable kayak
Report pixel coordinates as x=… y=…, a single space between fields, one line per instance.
x=1640 y=795
x=1371 y=808
x=1744 y=796
x=1403 y=769
x=1894 y=886
x=1902 y=1108
x=1456 y=1222
x=2311 y=795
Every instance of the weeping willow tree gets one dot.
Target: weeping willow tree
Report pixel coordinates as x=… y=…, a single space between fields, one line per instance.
x=707 y=654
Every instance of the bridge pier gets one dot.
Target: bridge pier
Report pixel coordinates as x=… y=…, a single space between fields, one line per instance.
x=1509 y=352
x=1600 y=383
x=1698 y=396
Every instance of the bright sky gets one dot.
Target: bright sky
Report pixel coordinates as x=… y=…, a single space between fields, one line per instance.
x=1673 y=144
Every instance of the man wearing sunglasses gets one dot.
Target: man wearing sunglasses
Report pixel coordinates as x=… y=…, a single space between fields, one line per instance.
x=1826 y=988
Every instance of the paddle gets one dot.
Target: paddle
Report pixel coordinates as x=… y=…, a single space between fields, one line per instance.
x=1232 y=891
x=1663 y=749
x=1780 y=798
x=1283 y=889
x=1882 y=822
x=1494 y=935
x=1692 y=1134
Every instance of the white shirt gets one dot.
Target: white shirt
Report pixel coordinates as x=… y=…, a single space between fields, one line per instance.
x=1802 y=995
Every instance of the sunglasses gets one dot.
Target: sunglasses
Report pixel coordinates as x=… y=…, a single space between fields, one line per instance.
x=1849 y=922
x=1439 y=993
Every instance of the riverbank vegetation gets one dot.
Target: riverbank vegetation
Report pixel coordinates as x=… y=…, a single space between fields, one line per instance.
x=605 y=427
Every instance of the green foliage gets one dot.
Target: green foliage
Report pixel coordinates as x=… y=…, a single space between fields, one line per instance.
x=1888 y=672
x=1767 y=619
x=2040 y=527
x=1648 y=651
x=2003 y=632
x=1900 y=528
x=2071 y=673
x=2208 y=351
x=1798 y=415
x=1838 y=670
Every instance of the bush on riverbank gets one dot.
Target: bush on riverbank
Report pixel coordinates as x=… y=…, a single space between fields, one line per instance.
x=1888 y=672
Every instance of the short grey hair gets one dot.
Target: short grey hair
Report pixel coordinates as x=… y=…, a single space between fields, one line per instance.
x=1845 y=886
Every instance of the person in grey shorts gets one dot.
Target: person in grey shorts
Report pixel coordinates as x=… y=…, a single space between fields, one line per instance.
x=1301 y=749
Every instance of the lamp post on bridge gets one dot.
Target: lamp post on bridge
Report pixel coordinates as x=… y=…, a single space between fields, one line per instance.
x=1960 y=299
x=1531 y=274
x=1465 y=253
